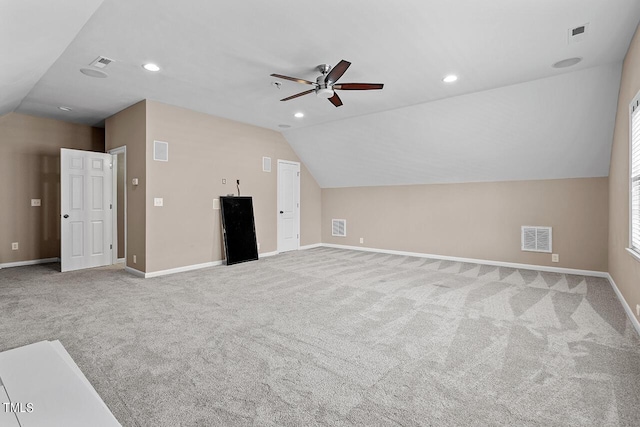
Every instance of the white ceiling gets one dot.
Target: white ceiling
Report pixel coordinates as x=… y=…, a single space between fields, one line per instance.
x=216 y=57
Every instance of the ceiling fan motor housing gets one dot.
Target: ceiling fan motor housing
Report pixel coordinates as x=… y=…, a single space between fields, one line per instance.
x=323 y=90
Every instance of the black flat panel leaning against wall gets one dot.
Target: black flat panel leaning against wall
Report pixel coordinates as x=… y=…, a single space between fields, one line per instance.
x=239 y=229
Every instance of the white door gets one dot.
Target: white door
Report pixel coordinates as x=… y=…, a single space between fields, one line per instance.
x=85 y=209
x=288 y=206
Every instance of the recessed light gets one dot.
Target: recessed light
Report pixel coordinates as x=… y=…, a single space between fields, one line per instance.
x=94 y=73
x=299 y=115
x=151 y=67
x=284 y=126
x=65 y=108
x=450 y=78
x=567 y=62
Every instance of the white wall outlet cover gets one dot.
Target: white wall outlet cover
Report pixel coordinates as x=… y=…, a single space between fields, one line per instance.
x=158 y=201
x=35 y=202
x=258 y=245
x=14 y=246
x=224 y=181
x=134 y=181
x=555 y=258
x=362 y=240
x=216 y=204
x=135 y=259
x=637 y=309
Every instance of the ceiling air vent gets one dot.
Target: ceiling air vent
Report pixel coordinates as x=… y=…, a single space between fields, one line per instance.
x=101 y=62
x=339 y=227
x=536 y=239
x=577 y=34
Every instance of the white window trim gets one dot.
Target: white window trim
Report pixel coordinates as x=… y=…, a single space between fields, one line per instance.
x=634 y=103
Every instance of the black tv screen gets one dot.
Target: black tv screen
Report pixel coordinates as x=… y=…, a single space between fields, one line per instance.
x=239 y=229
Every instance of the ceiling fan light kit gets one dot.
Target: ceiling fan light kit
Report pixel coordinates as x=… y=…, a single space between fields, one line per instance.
x=325 y=85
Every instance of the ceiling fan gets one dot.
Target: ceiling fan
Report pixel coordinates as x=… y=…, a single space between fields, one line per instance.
x=325 y=85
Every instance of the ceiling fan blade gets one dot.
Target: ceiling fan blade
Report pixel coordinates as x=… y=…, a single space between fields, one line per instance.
x=335 y=100
x=293 y=79
x=358 y=86
x=337 y=72
x=298 y=94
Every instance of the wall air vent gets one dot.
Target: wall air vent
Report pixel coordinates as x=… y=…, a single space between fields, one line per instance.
x=536 y=239
x=161 y=151
x=339 y=227
x=266 y=164
x=101 y=62
x=578 y=34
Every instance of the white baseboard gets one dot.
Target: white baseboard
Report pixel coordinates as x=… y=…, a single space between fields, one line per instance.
x=120 y=260
x=625 y=305
x=182 y=269
x=134 y=271
x=315 y=245
x=186 y=267
x=29 y=262
x=268 y=254
x=475 y=261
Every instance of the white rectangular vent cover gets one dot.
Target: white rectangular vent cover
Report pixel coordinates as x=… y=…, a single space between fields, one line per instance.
x=339 y=227
x=161 y=151
x=266 y=164
x=536 y=239
x=101 y=62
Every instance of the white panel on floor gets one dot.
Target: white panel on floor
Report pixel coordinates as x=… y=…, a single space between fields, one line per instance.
x=60 y=395
x=7 y=419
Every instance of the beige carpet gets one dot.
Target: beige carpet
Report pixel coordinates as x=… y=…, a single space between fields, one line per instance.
x=340 y=338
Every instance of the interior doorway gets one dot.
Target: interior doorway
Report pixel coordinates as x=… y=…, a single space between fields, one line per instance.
x=288 y=206
x=119 y=160
x=86 y=211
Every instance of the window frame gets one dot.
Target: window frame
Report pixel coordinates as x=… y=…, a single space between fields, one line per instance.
x=634 y=108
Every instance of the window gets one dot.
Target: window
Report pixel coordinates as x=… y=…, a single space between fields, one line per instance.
x=634 y=176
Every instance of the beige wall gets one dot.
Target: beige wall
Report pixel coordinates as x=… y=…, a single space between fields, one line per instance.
x=30 y=169
x=128 y=128
x=624 y=269
x=203 y=150
x=477 y=220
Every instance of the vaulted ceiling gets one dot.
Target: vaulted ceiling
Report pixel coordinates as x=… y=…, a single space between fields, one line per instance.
x=510 y=115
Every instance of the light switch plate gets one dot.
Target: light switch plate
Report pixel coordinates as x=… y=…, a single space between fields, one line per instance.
x=134 y=181
x=158 y=201
x=36 y=202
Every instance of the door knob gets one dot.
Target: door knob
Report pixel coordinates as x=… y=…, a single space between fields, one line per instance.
x=65 y=216
x=281 y=211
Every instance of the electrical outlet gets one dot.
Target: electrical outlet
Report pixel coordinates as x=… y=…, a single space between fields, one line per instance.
x=14 y=246
x=638 y=310
x=224 y=181
x=135 y=259
x=216 y=204
x=36 y=202
x=158 y=201
x=362 y=240
x=555 y=258
x=258 y=245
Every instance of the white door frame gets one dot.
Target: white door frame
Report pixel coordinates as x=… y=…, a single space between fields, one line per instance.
x=278 y=204
x=114 y=155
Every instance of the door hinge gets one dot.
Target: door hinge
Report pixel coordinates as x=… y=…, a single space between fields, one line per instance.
x=298 y=174
x=110 y=206
x=298 y=236
x=110 y=165
x=297 y=205
x=110 y=246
